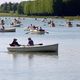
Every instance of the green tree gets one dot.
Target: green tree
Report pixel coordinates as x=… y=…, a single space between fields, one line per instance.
x=20 y=9
x=14 y=7
x=10 y=6
x=4 y=7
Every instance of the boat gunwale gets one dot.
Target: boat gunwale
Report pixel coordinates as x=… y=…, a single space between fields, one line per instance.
x=36 y=45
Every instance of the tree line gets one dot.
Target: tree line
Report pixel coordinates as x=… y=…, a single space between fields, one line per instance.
x=43 y=7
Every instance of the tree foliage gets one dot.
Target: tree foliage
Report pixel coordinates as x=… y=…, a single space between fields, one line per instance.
x=43 y=7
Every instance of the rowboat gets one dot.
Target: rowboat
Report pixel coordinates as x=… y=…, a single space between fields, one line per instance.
x=35 y=48
x=8 y=30
x=37 y=31
x=78 y=25
x=16 y=25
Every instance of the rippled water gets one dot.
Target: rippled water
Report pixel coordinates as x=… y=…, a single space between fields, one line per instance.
x=63 y=65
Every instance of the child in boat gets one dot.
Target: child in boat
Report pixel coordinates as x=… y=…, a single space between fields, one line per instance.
x=15 y=43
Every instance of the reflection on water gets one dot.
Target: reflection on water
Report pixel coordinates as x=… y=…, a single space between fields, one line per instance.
x=31 y=55
x=32 y=66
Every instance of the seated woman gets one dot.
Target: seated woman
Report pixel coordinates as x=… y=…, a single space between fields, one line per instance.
x=15 y=43
x=30 y=42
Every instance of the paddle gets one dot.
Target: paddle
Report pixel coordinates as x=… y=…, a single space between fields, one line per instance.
x=33 y=45
x=27 y=32
x=40 y=44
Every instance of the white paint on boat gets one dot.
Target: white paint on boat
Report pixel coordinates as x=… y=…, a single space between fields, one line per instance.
x=36 y=48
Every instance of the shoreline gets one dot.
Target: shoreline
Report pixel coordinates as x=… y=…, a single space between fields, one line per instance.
x=58 y=17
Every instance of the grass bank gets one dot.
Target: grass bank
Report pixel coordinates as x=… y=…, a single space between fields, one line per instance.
x=11 y=15
x=17 y=15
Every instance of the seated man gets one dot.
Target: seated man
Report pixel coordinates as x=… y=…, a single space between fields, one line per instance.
x=15 y=43
x=30 y=42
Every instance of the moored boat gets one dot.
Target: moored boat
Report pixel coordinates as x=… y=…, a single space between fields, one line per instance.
x=35 y=48
x=8 y=30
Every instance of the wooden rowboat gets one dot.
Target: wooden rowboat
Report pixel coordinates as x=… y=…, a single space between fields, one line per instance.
x=8 y=30
x=36 y=48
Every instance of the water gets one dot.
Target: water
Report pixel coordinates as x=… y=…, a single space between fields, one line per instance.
x=63 y=65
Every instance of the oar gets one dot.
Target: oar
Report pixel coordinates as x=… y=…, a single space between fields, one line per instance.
x=39 y=44
x=27 y=32
x=33 y=45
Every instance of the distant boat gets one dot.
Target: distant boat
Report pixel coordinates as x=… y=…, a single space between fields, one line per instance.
x=37 y=31
x=36 y=48
x=16 y=25
x=8 y=30
x=78 y=25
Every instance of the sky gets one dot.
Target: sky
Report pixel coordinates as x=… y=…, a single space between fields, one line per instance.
x=3 y=1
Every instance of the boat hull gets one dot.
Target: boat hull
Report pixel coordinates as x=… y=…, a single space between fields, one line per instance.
x=37 y=32
x=17 y=25
x=8 y=30
x=36 y=48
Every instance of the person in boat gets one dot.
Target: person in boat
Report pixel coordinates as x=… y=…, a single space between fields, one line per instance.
x=69 y=24
x=30 y=42
x=14 y=22
x=2 y=25
x=53 y=25
x=15 y=43
x=35 y=27
x=41 y=29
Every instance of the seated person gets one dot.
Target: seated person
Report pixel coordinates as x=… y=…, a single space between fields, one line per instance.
x=2 y=27
x=30 y=42
x=12 y=23
x=41 y=29
x=15 y=43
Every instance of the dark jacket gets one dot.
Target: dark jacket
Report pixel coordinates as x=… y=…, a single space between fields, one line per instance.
x=14 y=44
x=30 y=43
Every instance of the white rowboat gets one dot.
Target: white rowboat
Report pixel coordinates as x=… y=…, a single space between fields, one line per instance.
x=36 y=48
